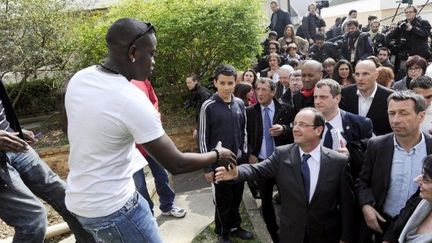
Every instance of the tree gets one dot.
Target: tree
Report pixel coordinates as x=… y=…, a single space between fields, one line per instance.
x=34 y=39
x=193 y=35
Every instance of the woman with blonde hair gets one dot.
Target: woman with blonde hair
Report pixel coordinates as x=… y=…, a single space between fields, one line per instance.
x=291 y=37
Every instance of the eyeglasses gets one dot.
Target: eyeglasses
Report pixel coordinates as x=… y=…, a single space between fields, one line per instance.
x=414 y=68
x=301 y=125
x=423 y=179
x=150 y=27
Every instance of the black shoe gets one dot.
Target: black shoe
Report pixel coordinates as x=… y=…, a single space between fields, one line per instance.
x=242 y=234
x=223 y=239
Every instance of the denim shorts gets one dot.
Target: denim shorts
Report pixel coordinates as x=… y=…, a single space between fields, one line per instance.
x=132 y=223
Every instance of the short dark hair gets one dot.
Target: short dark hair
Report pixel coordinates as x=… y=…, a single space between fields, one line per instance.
x=193 y=76
x=319 y=36
x=372 y=17
x=225 y=69
x=383 y=48
x=352 y=11
x=422 y=82
x=272 y=33
x=352 y=22
x=419 y=102
x=319 y=120
x=268 y=81
x=276 y=43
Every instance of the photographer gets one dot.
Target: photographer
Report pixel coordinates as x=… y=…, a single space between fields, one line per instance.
x=413 y=32
x=355 y=45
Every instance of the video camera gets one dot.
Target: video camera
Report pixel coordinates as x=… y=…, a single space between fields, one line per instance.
x=320 y=4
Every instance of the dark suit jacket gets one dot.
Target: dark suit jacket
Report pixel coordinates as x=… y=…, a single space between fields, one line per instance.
x=283 y=97
x=328 y=216
x=300 y=102
x=282 y=19
x=378 y=110
x=374 y=180
x=284 y=115
x=356 y=130
x=363 y=50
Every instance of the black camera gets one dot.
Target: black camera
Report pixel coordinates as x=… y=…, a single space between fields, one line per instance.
x=320 y=4
x=398 y=46
x=403 y=26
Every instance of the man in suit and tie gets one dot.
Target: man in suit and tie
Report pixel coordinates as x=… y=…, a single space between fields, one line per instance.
x=268 y=125
x=367 y=98
x=391 y=163
x=355 y=130
x=315 y=185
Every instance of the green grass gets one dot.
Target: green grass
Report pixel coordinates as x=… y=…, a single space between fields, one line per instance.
x=208 y=235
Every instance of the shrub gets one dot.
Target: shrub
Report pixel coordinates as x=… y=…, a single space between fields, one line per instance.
x=193 y=35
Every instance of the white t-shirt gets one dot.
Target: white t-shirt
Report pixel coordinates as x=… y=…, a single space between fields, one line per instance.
x=106 y=116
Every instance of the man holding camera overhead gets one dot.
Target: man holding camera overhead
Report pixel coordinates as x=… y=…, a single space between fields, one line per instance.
x=413 y=32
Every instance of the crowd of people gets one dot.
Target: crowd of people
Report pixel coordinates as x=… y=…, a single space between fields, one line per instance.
x=342 y=129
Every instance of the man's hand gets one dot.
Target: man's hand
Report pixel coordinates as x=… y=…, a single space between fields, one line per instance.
x=209 y=176
x=222 y=174
x=29 y=136
x=343 y=150
x=226 y=157
x=371 y=216
x=276 y=130
x=410 y=27
x=11 y=142
x=252 y=159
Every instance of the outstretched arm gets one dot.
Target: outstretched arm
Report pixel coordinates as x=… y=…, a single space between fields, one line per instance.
x=166 y=153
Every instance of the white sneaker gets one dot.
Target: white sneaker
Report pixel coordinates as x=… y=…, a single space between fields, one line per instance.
x=176 y=212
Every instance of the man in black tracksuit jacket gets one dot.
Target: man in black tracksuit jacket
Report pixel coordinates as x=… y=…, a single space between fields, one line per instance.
x=223 y=118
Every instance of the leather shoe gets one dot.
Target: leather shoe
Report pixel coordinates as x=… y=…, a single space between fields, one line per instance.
x=242 y=234
x=223 y=239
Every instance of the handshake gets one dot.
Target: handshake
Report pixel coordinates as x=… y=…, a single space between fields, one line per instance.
x=227 y=165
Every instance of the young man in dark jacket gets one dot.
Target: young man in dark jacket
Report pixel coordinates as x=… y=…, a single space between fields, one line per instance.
x=223 y=118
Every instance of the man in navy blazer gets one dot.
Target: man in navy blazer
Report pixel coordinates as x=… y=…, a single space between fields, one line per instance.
x=391 y=163
x=367 y=98
x=314 y=184
x=355 y=129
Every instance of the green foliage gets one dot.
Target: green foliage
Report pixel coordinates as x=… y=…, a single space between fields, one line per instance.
x=193 y=35
x=38 y=96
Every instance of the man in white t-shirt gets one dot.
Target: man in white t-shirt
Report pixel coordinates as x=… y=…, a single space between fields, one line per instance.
x=106 y=116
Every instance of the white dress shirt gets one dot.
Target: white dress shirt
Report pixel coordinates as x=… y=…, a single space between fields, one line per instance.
x=314 y=167
x=364 y=103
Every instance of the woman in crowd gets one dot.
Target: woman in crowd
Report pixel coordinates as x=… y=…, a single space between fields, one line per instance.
x=343 y=73
x=328 y=65
x=385 y=76
x=416 y=217
x=290 y=37
x=242 y=91
x=272 y=72
x=292 y=53
x=415 y=67
x=250 y=76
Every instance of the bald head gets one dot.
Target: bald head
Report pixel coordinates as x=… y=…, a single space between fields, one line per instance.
x=311 y=73
x=123 y=32
x=365 y=75
x=131 y=45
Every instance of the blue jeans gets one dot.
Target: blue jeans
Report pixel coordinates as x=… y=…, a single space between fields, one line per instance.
x=20 y=207
x=163 y=189
x=132 y=223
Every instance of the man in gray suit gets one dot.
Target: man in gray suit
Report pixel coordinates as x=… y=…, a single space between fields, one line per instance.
x=314 y=183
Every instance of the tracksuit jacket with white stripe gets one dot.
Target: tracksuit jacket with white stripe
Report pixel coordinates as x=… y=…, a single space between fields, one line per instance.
x=225 y=122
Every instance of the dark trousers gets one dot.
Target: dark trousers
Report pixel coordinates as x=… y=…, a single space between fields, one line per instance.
x=228 y=196
x=266 y=190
